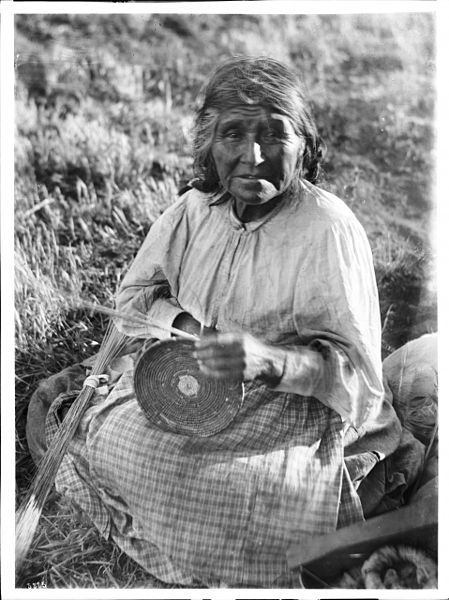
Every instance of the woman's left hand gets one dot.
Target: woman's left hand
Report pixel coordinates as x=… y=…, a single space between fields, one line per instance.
x=235 y=356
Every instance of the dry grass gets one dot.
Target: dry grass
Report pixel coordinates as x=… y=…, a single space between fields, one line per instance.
x=64 y=541
x=103 y=109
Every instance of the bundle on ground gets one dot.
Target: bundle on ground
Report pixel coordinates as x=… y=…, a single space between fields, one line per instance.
x=28 y=513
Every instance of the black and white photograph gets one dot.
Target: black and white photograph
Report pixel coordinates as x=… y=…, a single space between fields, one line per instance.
x=225 y=312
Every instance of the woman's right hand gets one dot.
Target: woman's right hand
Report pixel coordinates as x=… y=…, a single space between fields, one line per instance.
x=185 y=322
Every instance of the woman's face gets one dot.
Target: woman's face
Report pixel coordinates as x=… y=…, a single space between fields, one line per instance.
x=255 y=152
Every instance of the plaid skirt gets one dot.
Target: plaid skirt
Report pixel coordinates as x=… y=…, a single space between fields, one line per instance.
x=219 y=511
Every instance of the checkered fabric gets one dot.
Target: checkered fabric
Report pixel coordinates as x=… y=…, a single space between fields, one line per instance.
x=217 y=510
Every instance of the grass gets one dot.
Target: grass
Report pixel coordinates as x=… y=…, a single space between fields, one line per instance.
x=64 y=540
x=103 y=115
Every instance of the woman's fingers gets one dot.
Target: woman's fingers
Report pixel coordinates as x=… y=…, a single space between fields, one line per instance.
x=220 y=352
x=222 y=338
x=220 y=364
x=222 y=372
x=221 y=356
x=223 y=345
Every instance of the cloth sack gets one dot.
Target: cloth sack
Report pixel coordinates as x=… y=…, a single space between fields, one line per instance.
x=411 y=373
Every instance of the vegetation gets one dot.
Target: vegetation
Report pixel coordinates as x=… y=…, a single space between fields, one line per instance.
x=103 y=114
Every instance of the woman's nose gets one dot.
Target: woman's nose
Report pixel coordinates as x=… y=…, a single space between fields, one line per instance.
x=252 y=153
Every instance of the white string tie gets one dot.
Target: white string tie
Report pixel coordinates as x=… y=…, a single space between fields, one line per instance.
x=95 y=381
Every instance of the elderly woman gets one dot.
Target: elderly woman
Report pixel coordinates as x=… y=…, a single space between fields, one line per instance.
x=279 y=272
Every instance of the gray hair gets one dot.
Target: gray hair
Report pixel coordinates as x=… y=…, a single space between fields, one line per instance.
x=252 y=81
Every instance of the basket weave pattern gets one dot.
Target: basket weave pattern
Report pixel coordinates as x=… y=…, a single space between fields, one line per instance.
x=175 y=396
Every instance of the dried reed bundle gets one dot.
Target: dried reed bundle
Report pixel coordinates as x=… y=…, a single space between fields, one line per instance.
x=28 y=514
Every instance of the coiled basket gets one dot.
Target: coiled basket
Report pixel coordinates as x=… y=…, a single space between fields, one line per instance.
x=175 y=396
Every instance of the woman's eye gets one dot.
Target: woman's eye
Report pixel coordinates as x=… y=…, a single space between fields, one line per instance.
x=232 y=134
x=271 y=135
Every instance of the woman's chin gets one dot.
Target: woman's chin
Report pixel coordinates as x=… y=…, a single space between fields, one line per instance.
x=255 y=198
x=254 y=191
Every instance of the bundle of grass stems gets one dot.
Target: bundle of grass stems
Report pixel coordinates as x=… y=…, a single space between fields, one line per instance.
x=29 y=511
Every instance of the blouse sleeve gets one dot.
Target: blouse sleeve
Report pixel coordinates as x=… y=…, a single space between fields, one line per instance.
x=148 y=290
x=337 y=318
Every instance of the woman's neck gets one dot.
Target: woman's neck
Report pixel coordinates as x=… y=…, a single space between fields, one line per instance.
x=253 y=212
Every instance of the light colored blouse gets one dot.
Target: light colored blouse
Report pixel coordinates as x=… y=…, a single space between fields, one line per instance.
x=300 y=276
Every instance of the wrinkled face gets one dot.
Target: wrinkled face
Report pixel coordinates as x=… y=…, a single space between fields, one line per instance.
x=255 y=152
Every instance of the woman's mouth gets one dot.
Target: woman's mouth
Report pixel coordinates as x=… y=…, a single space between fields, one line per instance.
x=250 y=177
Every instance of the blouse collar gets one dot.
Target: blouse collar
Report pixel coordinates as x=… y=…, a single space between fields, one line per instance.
x=237 y=224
